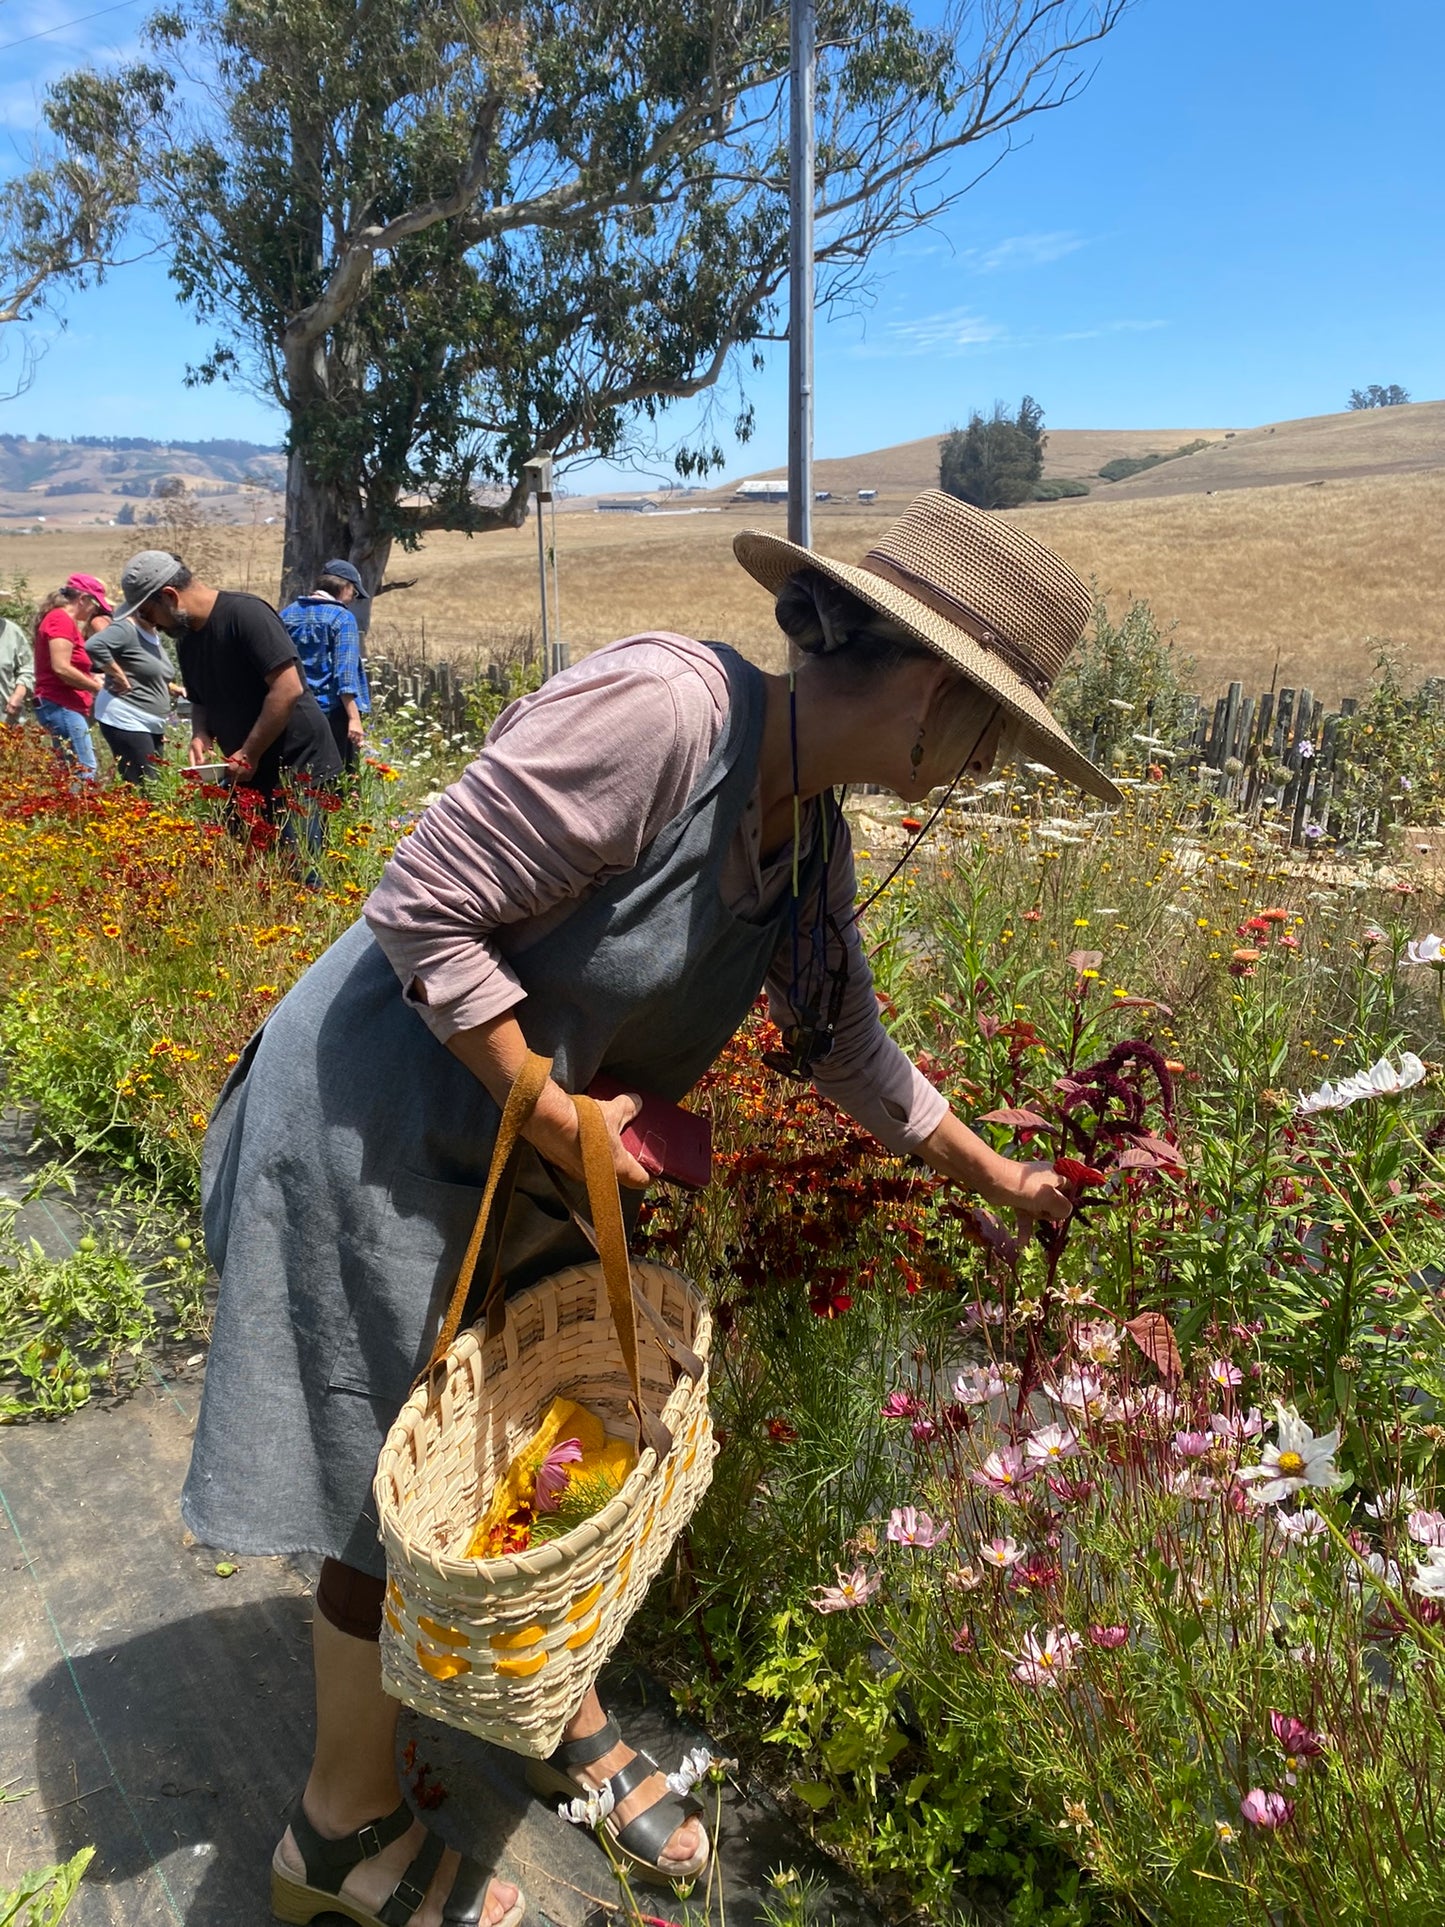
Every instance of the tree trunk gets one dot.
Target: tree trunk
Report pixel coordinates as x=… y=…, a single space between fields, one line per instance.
x=325 y=522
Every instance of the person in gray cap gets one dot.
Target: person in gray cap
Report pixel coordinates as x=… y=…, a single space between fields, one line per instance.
x=240 y=670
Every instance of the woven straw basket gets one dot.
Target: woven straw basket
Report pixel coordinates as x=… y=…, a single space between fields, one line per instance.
x=507 y=1647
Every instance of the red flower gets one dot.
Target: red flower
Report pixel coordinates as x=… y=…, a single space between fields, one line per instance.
x=912 y=825
x=781 y=1433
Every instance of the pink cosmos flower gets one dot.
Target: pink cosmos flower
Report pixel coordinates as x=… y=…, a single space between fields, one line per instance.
x=1302 y=1525
x=977 y=1385
x=900 y=1405
x=1050 y=1444
x=552 y=1474
x=1005 y=1472
x=1297 y=1742
x=1426 y=1528
x=1108 y=1636
x=1001 y=1553
x=1193 y=1445
x=1225 y=1375
x=1070 y=1491
x=907 y=1526
x=1266 y=1809
x=985 y=1312
x=1237 y=1425
x=854 y=1588
x=922 y=1429
x=1043 y=1662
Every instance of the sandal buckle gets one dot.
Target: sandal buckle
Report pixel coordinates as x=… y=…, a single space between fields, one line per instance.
x=369 y=1842
x=409 y=1894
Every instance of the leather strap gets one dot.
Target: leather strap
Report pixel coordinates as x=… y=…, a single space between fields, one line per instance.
x=520 y=1104
x=408 y=1896
x=328 y=1862
x=600 y=1174
x=682 y=1357
x=587 y=1752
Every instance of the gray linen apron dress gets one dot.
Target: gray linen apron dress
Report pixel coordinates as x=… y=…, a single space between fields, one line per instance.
x=345 y=1159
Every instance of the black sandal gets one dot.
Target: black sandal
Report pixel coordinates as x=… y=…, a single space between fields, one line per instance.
x=328 y=1862
x=641 y=1841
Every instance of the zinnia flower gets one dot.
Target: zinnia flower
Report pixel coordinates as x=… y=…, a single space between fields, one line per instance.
x=1267 y=1810
x=907 y=1526
x=1296 y=1459
x=854 y=1588
x=1043 y=1662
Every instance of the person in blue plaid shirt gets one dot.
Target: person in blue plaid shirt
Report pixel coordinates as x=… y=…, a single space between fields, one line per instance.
x=329 y=645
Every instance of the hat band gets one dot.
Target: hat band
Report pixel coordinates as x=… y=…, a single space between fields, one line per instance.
x=952 y=610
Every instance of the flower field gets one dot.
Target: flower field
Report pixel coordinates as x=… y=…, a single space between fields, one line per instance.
x=1095 y=1575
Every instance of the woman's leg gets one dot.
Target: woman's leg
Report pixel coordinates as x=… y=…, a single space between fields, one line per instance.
x=353 y=1778
x=134 y=750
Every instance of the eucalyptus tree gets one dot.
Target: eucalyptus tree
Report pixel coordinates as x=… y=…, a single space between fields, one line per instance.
x=449 y=235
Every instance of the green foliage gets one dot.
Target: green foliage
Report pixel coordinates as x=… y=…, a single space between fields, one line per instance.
x=998 y=460
x=1123 y=466
x=70 y=1324
x=1390 y=754
x=16 y=601
x=1376 y=396
x=1124 y=680
x=43 y=1899
x=1060 y=489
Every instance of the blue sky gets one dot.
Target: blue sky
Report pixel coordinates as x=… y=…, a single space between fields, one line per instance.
x=1237 y=222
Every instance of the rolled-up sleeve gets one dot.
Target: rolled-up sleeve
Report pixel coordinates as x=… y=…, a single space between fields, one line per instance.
x=865 y=1073
x=573 y=783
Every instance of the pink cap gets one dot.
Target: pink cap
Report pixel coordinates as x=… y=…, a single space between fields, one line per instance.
x=92 y=586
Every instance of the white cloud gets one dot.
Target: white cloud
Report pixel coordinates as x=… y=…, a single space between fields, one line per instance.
x=949 y=333
x=1025 y=251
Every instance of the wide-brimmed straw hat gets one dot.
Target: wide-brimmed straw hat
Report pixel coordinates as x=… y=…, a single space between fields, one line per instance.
x=986 y=597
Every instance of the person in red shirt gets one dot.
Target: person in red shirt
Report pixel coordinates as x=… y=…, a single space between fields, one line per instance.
x=65 y=679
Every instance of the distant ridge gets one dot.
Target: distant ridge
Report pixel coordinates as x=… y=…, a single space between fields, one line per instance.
x=101 y=468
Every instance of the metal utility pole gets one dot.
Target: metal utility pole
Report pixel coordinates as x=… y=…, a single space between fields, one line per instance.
x=538 y=472
x=800 y=275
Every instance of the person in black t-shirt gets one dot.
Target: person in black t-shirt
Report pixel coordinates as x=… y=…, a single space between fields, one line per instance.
x=241 y=672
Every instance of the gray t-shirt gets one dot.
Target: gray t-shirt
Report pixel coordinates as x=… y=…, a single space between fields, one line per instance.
x=150 y=670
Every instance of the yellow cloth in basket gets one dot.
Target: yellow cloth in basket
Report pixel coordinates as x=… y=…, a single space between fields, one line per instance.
x=604 y=1466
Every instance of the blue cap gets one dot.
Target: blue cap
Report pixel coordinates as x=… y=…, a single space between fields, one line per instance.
x=348 y=572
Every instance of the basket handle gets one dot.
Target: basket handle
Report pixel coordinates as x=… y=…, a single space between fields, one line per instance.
x=521 y=1101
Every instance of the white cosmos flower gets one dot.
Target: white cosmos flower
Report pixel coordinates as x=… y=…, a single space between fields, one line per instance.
x=1426 y=950
x=694 y=1765
x=1296 y=1459
x=590 y=1808
x=1383 y=1571
x=1394 y=1500
x=1001 y=1553
x=1429 y=1581
x=1380 y=1080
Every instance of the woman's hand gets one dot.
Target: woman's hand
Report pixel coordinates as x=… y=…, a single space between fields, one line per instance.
x=1034 y=1190
x=553 y=1131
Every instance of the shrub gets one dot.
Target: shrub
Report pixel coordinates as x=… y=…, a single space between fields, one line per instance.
x=1059 y=489
x=1123 y=466
x=1124 y=680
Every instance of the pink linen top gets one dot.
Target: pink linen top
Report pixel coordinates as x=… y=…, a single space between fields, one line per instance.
x=573 y=783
